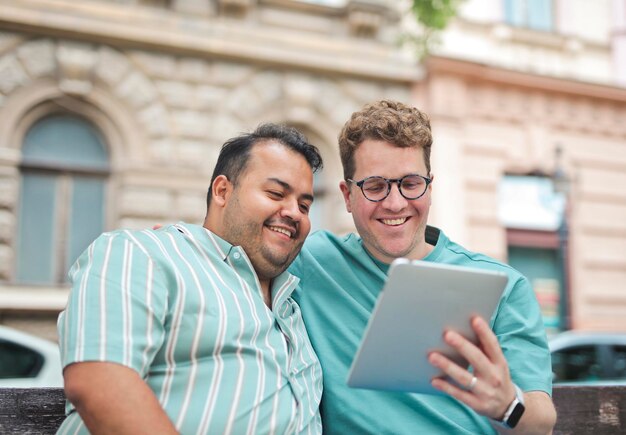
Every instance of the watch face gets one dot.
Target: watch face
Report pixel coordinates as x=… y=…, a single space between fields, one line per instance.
x=515 y=415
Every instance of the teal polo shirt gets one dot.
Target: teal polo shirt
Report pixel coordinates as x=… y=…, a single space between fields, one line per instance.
x=339 y=285
x=184 y=309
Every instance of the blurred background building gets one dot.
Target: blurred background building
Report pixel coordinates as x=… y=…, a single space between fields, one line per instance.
x=112 y=114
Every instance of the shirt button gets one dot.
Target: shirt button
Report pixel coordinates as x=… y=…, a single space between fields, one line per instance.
x=236 y=255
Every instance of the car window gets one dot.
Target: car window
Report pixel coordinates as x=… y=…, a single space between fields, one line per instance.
x=17 y=361
x=617 y=368
x=577 y=363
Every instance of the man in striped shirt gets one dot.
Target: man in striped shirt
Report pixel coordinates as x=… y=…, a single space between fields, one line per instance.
x=192 y=329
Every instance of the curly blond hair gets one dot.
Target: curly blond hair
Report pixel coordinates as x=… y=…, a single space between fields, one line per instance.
x=390 y=121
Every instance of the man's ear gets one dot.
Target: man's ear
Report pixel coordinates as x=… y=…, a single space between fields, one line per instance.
x=220 y=190
x=345 y=191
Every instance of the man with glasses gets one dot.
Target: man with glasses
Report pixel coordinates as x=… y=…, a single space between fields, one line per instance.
x=385 y=152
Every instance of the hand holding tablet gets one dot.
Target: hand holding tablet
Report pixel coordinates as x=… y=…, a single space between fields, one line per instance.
x=419 y=302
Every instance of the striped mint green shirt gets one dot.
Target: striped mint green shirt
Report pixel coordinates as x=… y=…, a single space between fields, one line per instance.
x=184 y=309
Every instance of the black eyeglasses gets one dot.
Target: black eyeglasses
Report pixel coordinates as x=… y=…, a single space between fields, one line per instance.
x=377 y=188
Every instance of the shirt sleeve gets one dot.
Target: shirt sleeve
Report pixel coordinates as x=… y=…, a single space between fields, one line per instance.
x=520 y=330
x=117 y=305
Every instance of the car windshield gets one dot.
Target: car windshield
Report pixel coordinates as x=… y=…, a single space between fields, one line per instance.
x=17 y=361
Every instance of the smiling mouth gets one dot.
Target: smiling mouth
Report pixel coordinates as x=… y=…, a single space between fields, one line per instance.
x=281 y=230
x=394 y=222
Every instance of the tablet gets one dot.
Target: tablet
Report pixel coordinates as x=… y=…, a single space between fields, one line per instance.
x=418 y=302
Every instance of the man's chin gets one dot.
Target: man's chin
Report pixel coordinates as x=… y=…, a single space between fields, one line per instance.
x=275 y=265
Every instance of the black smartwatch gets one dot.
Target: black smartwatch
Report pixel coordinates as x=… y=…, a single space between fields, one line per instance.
x=515 y=410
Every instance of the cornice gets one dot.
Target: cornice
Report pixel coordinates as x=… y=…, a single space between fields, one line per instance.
x=127 y=26
x=488 y=73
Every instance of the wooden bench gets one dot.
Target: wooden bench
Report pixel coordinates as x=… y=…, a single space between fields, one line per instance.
x=581 y=410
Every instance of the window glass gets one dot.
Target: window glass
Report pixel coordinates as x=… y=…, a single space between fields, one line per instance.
x=530 y=206
x=534 y=14
x=579 y=363
x=36 y=235
x=617 y=367
x=65 y=140
x=17 y=361
x=63 y=181
x=87 y=215
x=540 y=14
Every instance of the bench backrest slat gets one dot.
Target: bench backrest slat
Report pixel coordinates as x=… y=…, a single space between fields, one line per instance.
x=581 y=410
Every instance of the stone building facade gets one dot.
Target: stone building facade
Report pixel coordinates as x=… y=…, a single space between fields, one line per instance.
x=164 y=82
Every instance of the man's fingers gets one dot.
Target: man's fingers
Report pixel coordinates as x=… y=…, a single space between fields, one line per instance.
x=458 y=374
x=488 y=340
x=468 y=350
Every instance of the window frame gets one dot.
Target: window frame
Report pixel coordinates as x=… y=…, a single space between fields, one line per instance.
x=89 y=114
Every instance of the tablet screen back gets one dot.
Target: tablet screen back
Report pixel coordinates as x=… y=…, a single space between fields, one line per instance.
x=418 y=302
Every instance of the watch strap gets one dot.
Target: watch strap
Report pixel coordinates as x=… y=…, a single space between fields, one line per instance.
x=514 y=412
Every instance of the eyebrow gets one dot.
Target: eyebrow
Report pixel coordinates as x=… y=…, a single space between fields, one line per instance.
x=287 y=186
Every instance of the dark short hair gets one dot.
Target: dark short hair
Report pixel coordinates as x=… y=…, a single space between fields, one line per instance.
x=391 y=121
x=235 y=152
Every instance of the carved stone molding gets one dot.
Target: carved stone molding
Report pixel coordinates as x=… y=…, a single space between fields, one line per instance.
x=192 y=7
x=235 y=7
x=366 y=17
x=75 y=68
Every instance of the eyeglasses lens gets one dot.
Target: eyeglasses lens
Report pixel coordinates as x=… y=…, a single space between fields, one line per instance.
x=377 y=188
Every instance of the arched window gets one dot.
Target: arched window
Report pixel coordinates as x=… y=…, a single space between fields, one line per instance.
x=64 y=168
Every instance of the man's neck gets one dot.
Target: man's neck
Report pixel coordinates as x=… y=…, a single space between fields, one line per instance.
x=267 y=292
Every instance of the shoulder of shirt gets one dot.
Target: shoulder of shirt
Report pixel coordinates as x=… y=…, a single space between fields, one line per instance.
x=324 y=238
x=480 y=260
x=144 y=237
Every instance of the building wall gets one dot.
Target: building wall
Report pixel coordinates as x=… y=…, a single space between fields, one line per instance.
x=168 y=81
x=502 y=98
x=167 y=84
x=489 y=122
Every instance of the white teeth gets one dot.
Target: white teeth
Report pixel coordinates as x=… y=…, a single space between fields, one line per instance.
x=393 y=221
x=281 y=230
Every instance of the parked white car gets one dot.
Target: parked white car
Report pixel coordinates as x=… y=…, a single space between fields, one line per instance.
x=589 y=358
x=27 y=361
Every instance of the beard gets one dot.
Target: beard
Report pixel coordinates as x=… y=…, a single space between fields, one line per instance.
x=268 y=261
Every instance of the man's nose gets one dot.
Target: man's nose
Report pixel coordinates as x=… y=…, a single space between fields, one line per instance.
x=291 y=209
x=395 y=201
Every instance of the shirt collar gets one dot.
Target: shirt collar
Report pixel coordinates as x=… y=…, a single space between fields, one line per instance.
x=282 y=286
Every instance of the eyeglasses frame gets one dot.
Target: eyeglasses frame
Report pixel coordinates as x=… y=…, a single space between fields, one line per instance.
x=389 y=181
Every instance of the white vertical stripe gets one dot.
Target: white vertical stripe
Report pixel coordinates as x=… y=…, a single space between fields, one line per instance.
x=80 y=425
x=216 y=381
x=196 y=335
x=275 y=404
x=171 y=342
x=82 y=295
x=103 y=300
x=261 y=378
x=125 y=299
x=219 y=364
x=170 y=345
x=278 y=385
x=150 y=308
x=296 y=325
x=292 y=345
x=74 y=272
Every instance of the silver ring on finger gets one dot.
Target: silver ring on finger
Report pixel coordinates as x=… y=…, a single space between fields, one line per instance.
x=472 y=383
